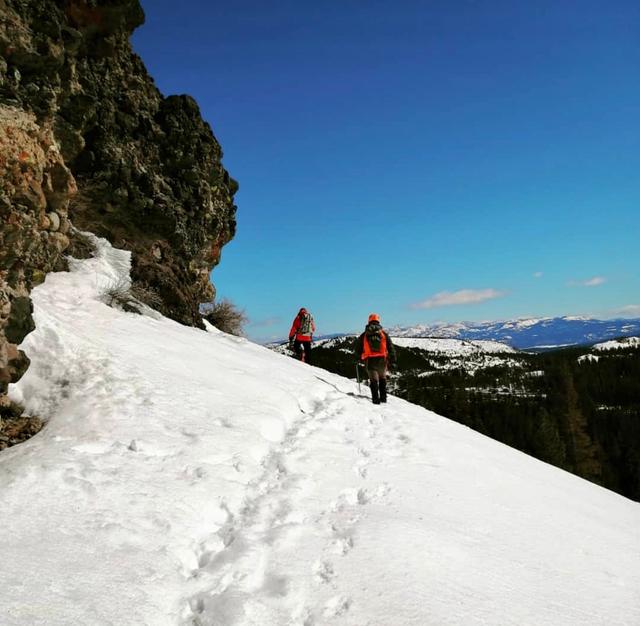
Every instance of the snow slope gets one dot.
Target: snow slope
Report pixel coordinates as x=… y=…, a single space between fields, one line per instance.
x=188 y=477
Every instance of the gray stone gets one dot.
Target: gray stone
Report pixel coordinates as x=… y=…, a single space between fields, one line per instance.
x=54 y=221
x=20 y=322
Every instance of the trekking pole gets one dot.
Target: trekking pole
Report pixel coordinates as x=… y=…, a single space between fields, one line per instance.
x=358 y=377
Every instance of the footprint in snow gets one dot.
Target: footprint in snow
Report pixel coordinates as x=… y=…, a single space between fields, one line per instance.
x=194 y=473
x=361 y=469
x=208 y=549
x=342 y=545
x=323 y=571
x=197 y=606
x=302 y=617
x=350 y=497
x=336 y=606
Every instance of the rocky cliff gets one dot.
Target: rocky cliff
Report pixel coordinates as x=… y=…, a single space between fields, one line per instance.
x=86 y=139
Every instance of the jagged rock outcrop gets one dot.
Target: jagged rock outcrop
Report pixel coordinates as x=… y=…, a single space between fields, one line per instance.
x=35 y=187
x=86 y=137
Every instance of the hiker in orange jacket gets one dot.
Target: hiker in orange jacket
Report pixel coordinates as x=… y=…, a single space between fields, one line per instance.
x=301 y=334
x=374 y=347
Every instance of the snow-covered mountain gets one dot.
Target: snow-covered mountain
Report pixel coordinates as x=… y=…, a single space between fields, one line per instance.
x=609 y=347
x=450 y=354
x=618 y=344
x=530 y=333
x=453 y=347
x=190 y=477
x=439 y=345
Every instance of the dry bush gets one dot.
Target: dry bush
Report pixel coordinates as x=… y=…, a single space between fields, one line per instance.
x=80 y=245
x=146 y=294
x=130 y=298
x=226 y=316
x=118 y=293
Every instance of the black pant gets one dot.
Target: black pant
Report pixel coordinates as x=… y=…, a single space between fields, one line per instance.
x=297 y=348
x=377 y=371
x=378 y=390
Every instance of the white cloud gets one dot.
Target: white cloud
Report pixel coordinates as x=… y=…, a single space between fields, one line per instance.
x=452 y=298
x=590 y=282
x=630 y=309
x=538 y=274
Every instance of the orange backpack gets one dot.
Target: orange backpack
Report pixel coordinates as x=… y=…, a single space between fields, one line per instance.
x=374 y=344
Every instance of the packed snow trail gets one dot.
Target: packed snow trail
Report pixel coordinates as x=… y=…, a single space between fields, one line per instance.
x=190 y=477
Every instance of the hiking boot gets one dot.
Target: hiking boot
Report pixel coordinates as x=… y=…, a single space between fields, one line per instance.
x=374 y=392
x=383 y=390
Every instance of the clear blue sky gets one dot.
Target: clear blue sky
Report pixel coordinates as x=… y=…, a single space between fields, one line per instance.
x=438 y=160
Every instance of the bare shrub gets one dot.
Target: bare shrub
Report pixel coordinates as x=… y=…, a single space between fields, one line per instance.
x=131 y=297
x=118 y=293
x=225 y=316
x=80 y=245
x=146 y=294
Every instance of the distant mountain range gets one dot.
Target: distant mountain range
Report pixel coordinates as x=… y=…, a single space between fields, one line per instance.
x=534 y=333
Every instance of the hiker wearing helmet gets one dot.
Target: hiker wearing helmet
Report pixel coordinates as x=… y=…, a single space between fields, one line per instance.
x=374 y=347
x=301 y=334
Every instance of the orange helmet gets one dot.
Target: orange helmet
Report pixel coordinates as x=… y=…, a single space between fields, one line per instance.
x=374 y=317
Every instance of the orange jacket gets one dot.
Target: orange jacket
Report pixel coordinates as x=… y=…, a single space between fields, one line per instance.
x=368 y=352
x=363 y=348
x=295 y=328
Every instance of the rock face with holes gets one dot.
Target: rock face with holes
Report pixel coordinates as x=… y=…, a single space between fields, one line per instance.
x=35 y=188
x=86 y=137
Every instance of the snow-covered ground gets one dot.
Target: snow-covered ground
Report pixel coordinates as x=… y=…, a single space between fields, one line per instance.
x=188 y=477
x=618 y=344
x=453 y=347
x=472 y=364
x=470 y=356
